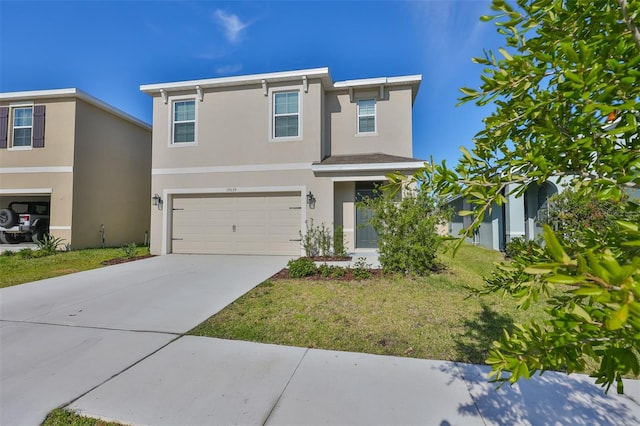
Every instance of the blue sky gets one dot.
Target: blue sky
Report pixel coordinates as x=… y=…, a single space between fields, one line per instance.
x=109 y=48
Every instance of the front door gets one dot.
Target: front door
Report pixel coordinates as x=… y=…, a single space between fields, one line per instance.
x=366 y=236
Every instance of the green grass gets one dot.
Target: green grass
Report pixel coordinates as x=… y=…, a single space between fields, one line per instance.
x=60 y=417
x=17 y=270
x=428 y=317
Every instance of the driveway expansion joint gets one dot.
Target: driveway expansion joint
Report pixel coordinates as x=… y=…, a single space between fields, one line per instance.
x=124 y=370
x=93 y=327
x=284 y=389
x=469 y=389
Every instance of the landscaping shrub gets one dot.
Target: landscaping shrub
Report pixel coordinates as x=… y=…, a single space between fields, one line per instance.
x=324 y=240
x=580 y=217
x=338 y=242
x=130 y=251
x=316 y=241
x=301 y=267
x=331 y=271
x=407 y=232
x=337 y=272
x=310 y=239
x=26 y=253
x=48 y=244
x=518 y=246
x=361 y=269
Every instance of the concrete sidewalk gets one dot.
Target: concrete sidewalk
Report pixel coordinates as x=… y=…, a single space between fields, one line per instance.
x=205 y=381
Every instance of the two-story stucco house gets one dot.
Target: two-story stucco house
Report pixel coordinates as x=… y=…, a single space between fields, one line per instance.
x=89 y=160
x=241 y=164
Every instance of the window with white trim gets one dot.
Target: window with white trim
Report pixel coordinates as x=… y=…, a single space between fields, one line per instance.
x=366 y=116
x=22 y=127
x=184 y=121
x=286 y=114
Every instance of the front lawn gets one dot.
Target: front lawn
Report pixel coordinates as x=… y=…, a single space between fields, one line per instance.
x=429 y=317
x=18 y=269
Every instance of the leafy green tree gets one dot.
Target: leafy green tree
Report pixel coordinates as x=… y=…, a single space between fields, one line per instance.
x=565 y=94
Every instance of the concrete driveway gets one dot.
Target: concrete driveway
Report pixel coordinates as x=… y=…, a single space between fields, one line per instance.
x=17 y=247
x=62 y=337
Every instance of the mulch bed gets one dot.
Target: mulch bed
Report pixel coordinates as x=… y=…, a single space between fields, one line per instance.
x=348 y=276
x=119 y=260
x=330 y=258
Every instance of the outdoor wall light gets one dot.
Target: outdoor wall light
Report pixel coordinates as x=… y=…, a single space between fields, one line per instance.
x=311 y=200
x=157 y=201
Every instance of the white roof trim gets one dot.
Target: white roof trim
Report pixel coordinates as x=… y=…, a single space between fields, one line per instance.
x=31 y=191
x=367 y=167
x=406 y=79
x=263 y=79
x=238 y=80
x=53 y=169
x=76 y=93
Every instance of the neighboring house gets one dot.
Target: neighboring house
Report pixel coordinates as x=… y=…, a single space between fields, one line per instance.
x=90 y=161
x=519 y=217
x=242 y=164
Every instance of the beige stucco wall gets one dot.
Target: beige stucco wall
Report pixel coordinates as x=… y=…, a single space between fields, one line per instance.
x=58 y=137
x=233 y=127
x=393 y=122
x=112 y=179
x=345 y=211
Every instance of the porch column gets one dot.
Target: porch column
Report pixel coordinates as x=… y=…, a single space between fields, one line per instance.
x=514 y=216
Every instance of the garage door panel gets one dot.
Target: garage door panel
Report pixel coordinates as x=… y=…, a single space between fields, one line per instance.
x=243 y=224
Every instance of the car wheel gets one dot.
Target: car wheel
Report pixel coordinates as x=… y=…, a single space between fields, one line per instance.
x=10 y=238
x=39 y=233
x=8 y=218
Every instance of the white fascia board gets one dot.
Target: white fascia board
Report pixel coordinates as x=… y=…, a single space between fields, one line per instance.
x=238 y=80
x=45 y=169
x=367 y=167
x=30 y=191
x=40 y=94
x=407 y=79
x=73 y=93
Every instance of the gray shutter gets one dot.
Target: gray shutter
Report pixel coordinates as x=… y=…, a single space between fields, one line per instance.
x=4 y=126
x=38 y=126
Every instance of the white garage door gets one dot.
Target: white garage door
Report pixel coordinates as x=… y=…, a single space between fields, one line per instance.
x=237 y=224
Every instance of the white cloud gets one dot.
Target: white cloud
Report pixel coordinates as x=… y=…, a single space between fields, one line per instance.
x=231 y=24
x=228 y=69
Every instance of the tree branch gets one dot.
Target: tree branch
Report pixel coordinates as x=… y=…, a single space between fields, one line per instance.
x=630 y=24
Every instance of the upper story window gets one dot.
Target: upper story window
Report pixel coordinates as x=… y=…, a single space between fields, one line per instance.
x=286 y=114
x=366 y=116
x=22 y=126
x=184 y=121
